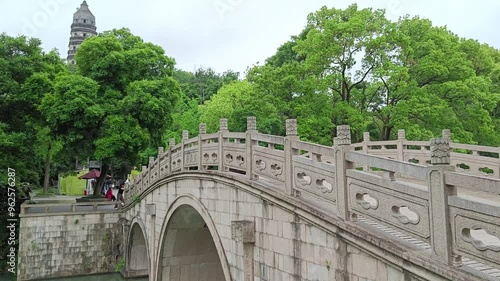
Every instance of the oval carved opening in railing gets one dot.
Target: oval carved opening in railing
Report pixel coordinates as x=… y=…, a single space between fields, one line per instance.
x=276 y=169
x=366 y=201
x=414 y=161
x=324 y=186
x=260 y=164
x=481 y=239
x=303 y=178
x=240 y=160
x=414 y=147
x=463 y=167
x=405 y=215
x=486 y=171
x=229 y=158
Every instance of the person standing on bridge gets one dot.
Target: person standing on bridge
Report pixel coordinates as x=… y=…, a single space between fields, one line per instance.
x=121 y=189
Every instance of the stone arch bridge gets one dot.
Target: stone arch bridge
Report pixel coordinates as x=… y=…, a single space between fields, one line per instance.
x=249 y=206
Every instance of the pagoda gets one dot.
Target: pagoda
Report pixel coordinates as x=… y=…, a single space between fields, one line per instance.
x=83 y=26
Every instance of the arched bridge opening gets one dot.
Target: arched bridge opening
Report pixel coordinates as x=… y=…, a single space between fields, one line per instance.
x=137 y=254
x=188 y=251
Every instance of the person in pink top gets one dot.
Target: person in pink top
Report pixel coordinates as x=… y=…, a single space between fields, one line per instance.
x=109 y=195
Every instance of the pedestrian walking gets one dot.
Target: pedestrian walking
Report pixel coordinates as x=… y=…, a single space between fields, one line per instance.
x=120 y=199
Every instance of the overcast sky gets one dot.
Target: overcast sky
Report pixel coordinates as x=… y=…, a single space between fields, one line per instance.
x=228 y=34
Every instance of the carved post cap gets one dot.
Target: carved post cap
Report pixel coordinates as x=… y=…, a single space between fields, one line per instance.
x=185 y=134
x=251 y=123
x=202 y=128
x=171 y=143
x=401 y=134
x=151 y=159
x=144 y=168
x=440 y=151
x=446 y=133
x=291 y=127
x=160 y=150
x=366 y=136
x=223 y=124
x=343 y=135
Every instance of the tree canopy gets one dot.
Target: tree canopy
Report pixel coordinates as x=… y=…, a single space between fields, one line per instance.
x=356 y=67
x=117 y=104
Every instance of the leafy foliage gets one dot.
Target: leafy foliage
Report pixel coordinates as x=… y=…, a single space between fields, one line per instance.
x=117 y=104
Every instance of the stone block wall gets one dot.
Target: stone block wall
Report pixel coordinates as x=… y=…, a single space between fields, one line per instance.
x=286 y=245
x=69 y=244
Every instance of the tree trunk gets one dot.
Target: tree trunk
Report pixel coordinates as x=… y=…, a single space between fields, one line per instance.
x=47 y=171
x=101 y=179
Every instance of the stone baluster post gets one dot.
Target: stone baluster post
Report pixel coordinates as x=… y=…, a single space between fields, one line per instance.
x=366 y=141
x=144 y=179
x=249 y=143
x=222 y=129
x=441 y=235
x=150 y=170
x=171 y=145
x=401 y=144
x=289 y=151
x=342 y=145
x=202 y=130
x=446 y=133
x=161 y=151
x=185 y=137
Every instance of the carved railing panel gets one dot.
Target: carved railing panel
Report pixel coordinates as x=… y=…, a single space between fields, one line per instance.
x=190 y=153
x=268 y=162
x=391 y=203
x=164 y=164
x=154 y=172
x=316 y=178
x=145 y=180
x=235 y=158
x=176 y=158
x=234 y=151
x=476 y=230
x=313 y=171
x=210 y=150
x=475 y=165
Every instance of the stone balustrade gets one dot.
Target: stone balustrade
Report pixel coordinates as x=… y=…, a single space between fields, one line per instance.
x=45 y=208
x=439 y=192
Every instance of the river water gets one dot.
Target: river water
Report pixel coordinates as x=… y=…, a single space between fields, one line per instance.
x=100 y=277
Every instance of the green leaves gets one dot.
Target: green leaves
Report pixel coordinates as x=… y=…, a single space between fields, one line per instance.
x=236 y=101
x=380 y=76
x=119 y=102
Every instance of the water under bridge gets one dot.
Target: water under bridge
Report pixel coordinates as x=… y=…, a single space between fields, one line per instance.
x=250 y=206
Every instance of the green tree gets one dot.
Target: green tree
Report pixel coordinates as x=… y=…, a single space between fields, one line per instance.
x=119 y=102
x=236 y=101
x=26 y=75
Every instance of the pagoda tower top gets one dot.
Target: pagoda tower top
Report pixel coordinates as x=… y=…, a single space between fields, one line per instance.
x=83 y=26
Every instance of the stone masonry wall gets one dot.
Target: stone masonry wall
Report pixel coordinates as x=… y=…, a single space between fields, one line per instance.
x=287 y=245
x=68 y=245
